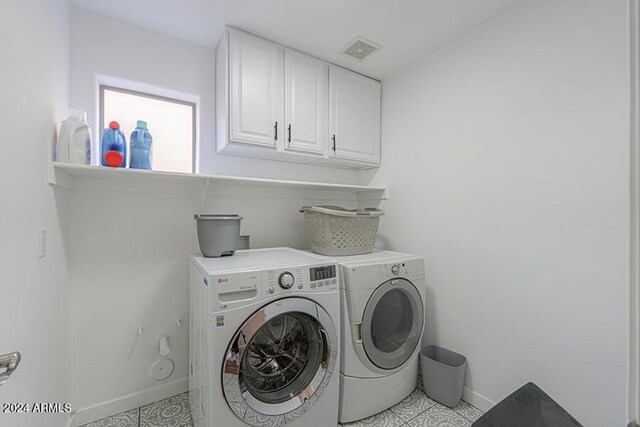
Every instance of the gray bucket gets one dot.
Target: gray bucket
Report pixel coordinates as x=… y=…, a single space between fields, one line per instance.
x=218 y=234
x=443 y=374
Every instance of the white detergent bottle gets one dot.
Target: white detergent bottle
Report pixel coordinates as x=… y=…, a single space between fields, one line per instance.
x=74 y=141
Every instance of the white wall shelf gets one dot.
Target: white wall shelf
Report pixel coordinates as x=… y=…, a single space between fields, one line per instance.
x=68 y=176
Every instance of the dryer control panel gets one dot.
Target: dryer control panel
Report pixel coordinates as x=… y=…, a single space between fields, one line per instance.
x=410 y=269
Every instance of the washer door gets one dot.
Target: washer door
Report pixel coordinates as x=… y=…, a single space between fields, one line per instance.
x=279 y=362
x=392 y=323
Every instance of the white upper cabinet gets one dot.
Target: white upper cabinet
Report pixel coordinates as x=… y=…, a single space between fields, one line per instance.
x=305 y=105
x=276 y=103
x=255 y=81
x=354 y=117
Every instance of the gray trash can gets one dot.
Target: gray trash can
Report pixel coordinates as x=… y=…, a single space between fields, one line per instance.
x=443 y=374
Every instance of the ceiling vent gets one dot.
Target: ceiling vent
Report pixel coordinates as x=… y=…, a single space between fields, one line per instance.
x=360 y=48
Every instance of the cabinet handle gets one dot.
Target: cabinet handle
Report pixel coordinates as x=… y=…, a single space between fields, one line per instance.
x=333 y=138
x=275 y=133
x=289 y=129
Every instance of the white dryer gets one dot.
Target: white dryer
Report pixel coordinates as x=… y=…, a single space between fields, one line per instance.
x=264 y=339
x=383 y=311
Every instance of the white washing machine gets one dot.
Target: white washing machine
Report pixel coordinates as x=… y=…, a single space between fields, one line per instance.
x=264 y=339
x=383 y=311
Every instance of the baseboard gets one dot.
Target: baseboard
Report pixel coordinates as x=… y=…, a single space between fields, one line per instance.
x=131 y=401
x=476 y=399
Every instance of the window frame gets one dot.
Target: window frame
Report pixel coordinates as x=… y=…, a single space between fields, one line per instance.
x=194 y=115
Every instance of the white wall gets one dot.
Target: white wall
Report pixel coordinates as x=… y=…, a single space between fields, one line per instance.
x=129 y=247
x=130 y=269
x=506 y=154
x=110 y=47
x=507 y=158
x=35 y=292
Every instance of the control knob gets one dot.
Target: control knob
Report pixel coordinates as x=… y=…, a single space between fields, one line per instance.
x=286 y=280
x=395 y=269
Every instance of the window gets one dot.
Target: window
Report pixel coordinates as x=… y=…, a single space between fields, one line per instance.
x=171 y=122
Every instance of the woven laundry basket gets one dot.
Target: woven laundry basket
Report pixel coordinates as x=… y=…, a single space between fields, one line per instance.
x=334 y=231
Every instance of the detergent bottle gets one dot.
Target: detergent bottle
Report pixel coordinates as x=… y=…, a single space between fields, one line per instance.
x=74 y=140
x=114 y=147
x=141 y=147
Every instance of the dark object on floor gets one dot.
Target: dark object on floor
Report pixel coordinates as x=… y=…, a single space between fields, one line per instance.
x=527 y=407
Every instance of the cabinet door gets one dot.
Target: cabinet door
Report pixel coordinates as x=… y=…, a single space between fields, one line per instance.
x=305 y=103
x=354 y=116
x=255 y=98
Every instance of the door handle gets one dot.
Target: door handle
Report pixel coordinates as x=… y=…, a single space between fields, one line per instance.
x=8 y=364
x=275 y=132
x=326 y=351
x=289 y=138
x=333 y=138
x=358 y=331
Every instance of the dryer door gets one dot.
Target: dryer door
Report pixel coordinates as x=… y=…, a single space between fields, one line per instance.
x=392 y=323
x=279 y=362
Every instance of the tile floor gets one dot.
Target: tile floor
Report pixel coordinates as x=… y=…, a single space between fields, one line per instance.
x=416 y=410
x=171 y=412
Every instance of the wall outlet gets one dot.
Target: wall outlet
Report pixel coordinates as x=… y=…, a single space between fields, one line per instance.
x=244 y=242
x=42 y=243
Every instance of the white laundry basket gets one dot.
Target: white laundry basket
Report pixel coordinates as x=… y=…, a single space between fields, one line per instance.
x=334 y=231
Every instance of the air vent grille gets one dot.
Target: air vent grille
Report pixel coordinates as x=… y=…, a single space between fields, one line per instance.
x=360 y=48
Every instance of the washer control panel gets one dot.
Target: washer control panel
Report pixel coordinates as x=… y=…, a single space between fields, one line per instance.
x=323 y=276
x=300 y=279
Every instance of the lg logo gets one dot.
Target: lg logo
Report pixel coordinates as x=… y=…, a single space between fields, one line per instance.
x=223 y=280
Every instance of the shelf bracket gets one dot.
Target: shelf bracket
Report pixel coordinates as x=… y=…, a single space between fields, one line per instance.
x=375 y=196
x=203 y=195
x=59 y=178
